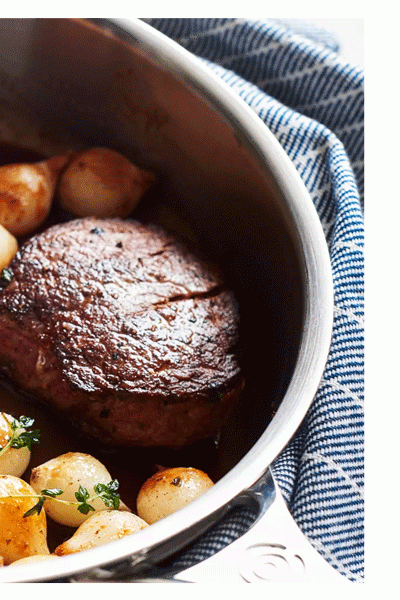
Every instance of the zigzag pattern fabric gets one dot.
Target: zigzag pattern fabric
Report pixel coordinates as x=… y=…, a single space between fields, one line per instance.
x=313 y=103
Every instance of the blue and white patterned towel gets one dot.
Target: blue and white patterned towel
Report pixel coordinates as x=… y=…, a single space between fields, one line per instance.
x=312 y=101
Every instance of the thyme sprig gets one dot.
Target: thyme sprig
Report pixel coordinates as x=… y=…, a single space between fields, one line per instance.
x=20 y=435
x=107 y=492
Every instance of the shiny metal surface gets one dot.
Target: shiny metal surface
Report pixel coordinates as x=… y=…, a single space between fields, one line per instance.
x=274 y=550
x=123 y=83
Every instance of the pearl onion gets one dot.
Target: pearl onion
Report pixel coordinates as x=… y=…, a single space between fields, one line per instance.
x=67 y=472
x=20 y=536
x=99 y=529
x=26 y=193
x=169 y=490
x=102 y=183
x=8 y=247
x=14 y=461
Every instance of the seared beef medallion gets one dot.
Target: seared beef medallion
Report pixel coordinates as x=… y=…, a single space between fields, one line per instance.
x=122 y=328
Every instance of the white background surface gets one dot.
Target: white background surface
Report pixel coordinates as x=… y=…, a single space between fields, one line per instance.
x=349 y=33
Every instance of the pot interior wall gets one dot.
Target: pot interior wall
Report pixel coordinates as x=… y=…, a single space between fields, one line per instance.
x=67 y=83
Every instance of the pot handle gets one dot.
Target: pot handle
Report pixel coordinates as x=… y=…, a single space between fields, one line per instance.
x=272 y=550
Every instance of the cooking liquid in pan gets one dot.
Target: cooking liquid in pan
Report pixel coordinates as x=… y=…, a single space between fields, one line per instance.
x=130 y=466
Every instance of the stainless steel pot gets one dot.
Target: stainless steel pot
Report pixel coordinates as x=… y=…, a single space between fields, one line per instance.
x=122 y=84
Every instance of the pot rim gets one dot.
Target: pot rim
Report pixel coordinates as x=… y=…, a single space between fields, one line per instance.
x=318 y=320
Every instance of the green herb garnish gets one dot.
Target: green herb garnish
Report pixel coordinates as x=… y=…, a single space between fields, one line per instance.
x=18 y=438
x=107 y=492
x=6 y=276
x=52 y=493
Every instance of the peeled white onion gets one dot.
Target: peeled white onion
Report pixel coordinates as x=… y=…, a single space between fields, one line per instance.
x=14 y=461
x=101 y=528
x=169 y=490
x=67 y=472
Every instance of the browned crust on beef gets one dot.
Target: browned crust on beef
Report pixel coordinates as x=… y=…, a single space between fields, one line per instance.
x=120 y=326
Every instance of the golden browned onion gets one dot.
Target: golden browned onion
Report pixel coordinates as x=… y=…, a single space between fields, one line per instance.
x=26 y=193
x=101 y=528
x=102 y=183
x=20 y=536
x=169 y=490
x=8 y=247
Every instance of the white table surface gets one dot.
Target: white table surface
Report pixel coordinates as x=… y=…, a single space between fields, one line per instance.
x=349 y=33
